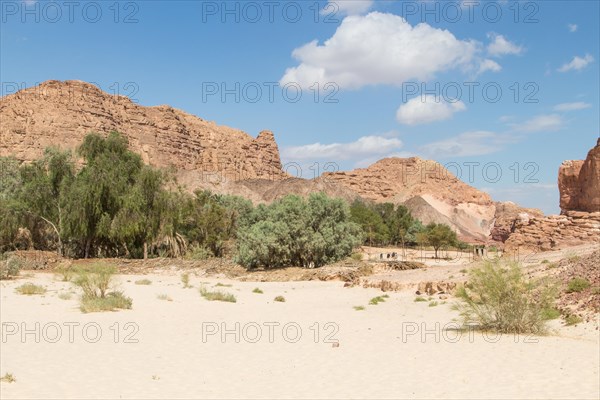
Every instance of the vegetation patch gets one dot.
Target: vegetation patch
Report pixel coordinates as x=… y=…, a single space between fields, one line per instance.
x=258 y=291
x=143 y=282
x=65 y=296
x=279 y=299
x=573 y=319
x=217 y=295
x=500 y=298
x=577 y=285
x=10 y=267
x=164 y=297
x=420 y=299
x=359 y=308
x=379 y=299
x=30 y=289
x=8 y=378
x=185 y=280
x=95 y=281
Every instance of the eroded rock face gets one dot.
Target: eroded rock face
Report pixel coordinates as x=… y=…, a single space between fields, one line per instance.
x=60 y=114
x=430 y=191
x=508 y=217
x=579 y=183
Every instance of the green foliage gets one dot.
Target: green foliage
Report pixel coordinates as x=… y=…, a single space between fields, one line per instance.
x=550 y=313
x=500 y=298
x=437 y=236
x=258 y=291
x=217 y=295
x=30 y=289
x=112 y=301
x=420 y=299
x=297 y=232
x=577 y=285
x=10 y=267
x=94 y=279
x=573 y=319
x=185 y=280
x=279 y=299
x=433 y=303
x=359 y=308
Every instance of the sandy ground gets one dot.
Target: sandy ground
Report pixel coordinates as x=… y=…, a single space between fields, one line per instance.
x=175 y=349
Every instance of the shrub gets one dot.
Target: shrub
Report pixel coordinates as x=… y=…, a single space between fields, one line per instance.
x=8 y=378
x=10 y=268
x=433 y=303
x=112 y=301
x=64 y=296
x=95 y=281
x=198 y=253
x=164 y=297
x=356 y=256
x=143 y=282
x=217 y=296
x=185 y=279
x=379 y=299
x=30 y=289
x=359 y=308
x=573 y=320
x=279 y=299
x=577 y=285
x=219 y=284
x=65 y=272
x=550 y=313
x=499 y=297
x=420 y=298
x=257 y=290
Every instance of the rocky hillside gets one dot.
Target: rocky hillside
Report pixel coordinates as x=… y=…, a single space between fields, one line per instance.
x=61 y=113
x=430 y=191
x=579 y=183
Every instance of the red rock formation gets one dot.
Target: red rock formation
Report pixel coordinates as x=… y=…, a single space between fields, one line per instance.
x=61 y=113
x=579 y=183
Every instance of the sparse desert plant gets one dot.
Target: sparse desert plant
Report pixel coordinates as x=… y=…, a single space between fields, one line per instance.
x=499 y=297
x=356 y=256
x=577 y=285
x=573 y=319
x=433 y=303
x=379 y=299
x=359 y=308
x=550 y=313
x=279 y=299
x=8 y=378
x=164 y=297
x=95 y=281
x=545 y=261
x=112 y=301
x=419 y=299
x=64 y=296
x=257 y=290
x=595 y=290
x=64 y=272
x=217 y=295
x=219 y=284
x=185 y=279
x=10 y=268
x=572 y=256
x=30 y=289
x=464 y=271
x=144 y=282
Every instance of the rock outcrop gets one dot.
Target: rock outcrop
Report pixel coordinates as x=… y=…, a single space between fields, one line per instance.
x=579 y=183
x=579 y=222
x=60 y=114
x=430 y=191
x=508 y=217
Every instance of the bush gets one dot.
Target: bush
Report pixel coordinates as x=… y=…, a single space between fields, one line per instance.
x=550 y=313
x=112 y=301
x=573 y=320
x=8 y=378
x=10 y=268
x=65 y=271
x=419 y=299
x=198 y=253
x=577 y=285
x=165 y=297
x=185 y=280
x=279 y=299
x=359 y=308
x=356 y=256
x=499 y=297
x=95 y=281
x=143 y=282
x=217 y=296
x=257 y=290
x=30 y=289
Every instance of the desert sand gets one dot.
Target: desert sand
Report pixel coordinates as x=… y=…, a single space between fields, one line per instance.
x=174 y=349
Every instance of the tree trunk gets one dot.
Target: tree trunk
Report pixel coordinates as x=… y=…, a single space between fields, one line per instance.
x=145 y=250
x=88 y=243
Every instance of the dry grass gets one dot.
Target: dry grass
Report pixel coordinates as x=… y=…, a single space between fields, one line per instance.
x=30 y=289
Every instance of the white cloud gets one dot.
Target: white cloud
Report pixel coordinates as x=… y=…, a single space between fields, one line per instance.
x=572 y=27
x=425 y=109
x=501 y=46
x=366 y=147
x=466 y=144
x=380 y=48
x=348 y=7
x=578 y=63
x=489 y=65
x=579 y=105
x=540 y=123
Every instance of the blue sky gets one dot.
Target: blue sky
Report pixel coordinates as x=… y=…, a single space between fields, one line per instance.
x=375 y=78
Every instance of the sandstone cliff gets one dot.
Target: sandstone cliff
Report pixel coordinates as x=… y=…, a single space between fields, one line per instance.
x=579 y=183
x=431 y=192
x=61 y=113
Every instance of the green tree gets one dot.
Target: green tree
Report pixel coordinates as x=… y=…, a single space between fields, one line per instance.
x=370 y=220
x=437 y=236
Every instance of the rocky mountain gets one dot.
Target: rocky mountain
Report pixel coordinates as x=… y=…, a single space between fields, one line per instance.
x=579 y=222
x=430 y=191
x=60 y=114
